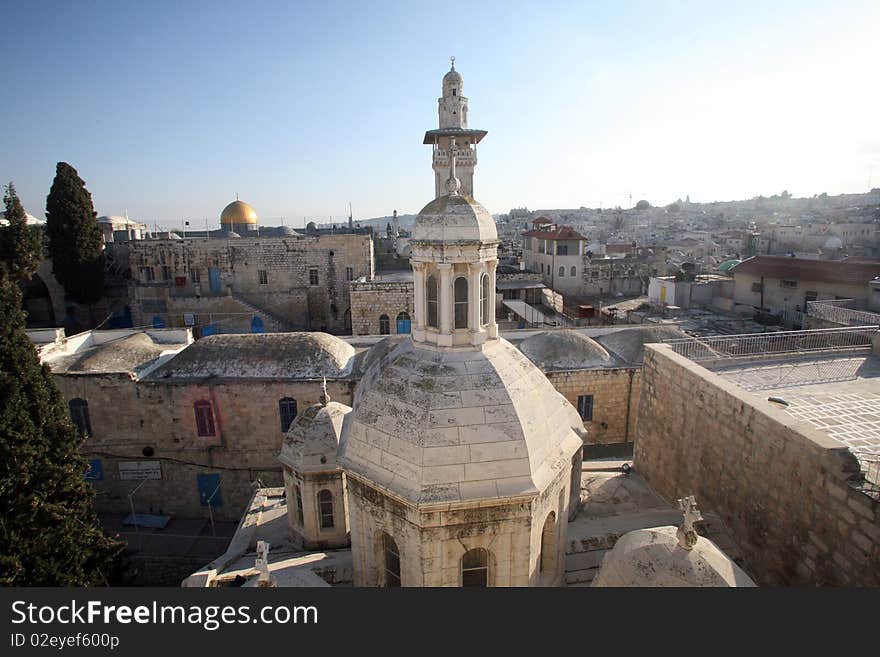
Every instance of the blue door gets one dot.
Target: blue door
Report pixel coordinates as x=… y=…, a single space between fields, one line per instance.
x=403 y=325
x=158 y=322
x=257 y=325
x=214 y=277
x=209 y=490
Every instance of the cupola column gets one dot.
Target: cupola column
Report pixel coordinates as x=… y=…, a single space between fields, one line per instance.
x=445 y=337
x=475 y=269
x=419 y=299
x=492 y=327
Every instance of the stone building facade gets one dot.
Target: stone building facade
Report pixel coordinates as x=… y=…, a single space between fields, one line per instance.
x=786 y=490
x=291 y=283
x=381 y=307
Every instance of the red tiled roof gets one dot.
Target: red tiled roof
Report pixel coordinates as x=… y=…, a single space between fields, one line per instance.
x=618 y=248
x=563 y=233
x=541 y=220
x=850 y=272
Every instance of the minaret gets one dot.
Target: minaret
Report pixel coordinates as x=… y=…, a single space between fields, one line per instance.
x=453 y=139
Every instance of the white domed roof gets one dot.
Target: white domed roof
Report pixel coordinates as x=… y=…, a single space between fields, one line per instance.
x=456 y=425
x=564 y=350
x=313 y=438
x=833 y=242
x=454 y=218
x=654 y=557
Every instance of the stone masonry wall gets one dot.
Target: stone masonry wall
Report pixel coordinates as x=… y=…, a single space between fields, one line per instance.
x=784 y=489
x=615 y=400
x=371 y=300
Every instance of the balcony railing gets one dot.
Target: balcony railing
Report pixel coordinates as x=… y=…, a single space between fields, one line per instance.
x=842 y=311
x=780 y=343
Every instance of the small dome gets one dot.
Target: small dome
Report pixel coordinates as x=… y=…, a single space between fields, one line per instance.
x=564 y=350
x=654 y=557
x=231 y=234
x=832 y=243
x=312 y=440
x=454 y=218
x=452 y=76
x=238 y=212
x=287 y=230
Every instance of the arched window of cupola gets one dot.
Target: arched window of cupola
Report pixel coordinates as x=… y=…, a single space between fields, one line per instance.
x=460 y=289
x=484 y=299
x=432 y=301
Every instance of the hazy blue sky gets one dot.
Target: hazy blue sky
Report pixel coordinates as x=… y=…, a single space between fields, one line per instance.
x=167 y=109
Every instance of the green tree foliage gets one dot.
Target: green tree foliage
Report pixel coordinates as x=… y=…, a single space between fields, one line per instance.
x=75 y=238
x=21 y=246
x=49 y=532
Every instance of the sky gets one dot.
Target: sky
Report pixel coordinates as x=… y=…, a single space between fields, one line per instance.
x=170 y=109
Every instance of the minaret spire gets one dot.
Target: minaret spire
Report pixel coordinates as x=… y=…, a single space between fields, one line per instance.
x=452 y=62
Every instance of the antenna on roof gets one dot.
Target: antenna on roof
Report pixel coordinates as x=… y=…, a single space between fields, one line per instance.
x=349 y=216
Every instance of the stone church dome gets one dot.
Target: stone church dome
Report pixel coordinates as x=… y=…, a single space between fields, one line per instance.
x=454 y=218
x=654 y=557
x=458 y=425
x=564 y=350
x=238 y=212
x=313 y=438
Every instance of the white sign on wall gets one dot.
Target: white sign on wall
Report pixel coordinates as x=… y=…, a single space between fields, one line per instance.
x=140 y=469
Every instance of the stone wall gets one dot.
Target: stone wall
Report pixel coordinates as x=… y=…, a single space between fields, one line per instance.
x=274 y=274
x=615 y=400
x=372 y=299
x=782 y=487
x=128 y=417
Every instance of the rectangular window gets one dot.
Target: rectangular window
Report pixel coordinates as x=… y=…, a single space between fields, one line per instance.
x=789 y=284
x=756 y=287
x=313 y=276
x=166 y=273
x=810 y=296
x=562 y=249
x=195 y=276
x=204 y=418
x=264 y=276
x=349 y=274
x=147 y=274
x=585 y=407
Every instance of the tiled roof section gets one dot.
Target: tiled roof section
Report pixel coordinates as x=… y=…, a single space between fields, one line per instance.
x=562 y=233
x=618 y=248
x=541 y=220
x=850 y=272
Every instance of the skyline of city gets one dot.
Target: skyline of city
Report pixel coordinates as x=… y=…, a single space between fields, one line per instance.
x=645 y=101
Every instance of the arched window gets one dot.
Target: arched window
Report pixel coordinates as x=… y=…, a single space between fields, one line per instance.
x=432 y=301
x=547 y=558
x=461 y=302
x=384 y=325
x=475 y=568
x=204 y=418
x=561 y=272
x=287 y=411
x=403 y=323
x=574 y=271
x=79 y=413
x=392 y=561
x=300 y=516
x=325 y=508
x=484 y=299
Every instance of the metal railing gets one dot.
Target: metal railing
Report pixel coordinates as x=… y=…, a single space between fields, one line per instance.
x=756 y=345
x=841 y=311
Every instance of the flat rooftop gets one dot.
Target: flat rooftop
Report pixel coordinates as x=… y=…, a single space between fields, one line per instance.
x=838 y=394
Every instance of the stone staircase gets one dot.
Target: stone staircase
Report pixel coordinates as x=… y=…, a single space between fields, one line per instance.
x=273 y=323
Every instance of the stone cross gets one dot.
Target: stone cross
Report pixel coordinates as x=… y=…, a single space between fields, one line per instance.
x=325 y=397
x=262 y=564
x=687 y=535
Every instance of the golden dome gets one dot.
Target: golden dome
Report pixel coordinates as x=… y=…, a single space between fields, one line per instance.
x=238 y=212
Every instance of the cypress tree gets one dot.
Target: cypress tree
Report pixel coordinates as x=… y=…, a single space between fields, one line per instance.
x=21 y=246
x=75 y=238
x=49 y=531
